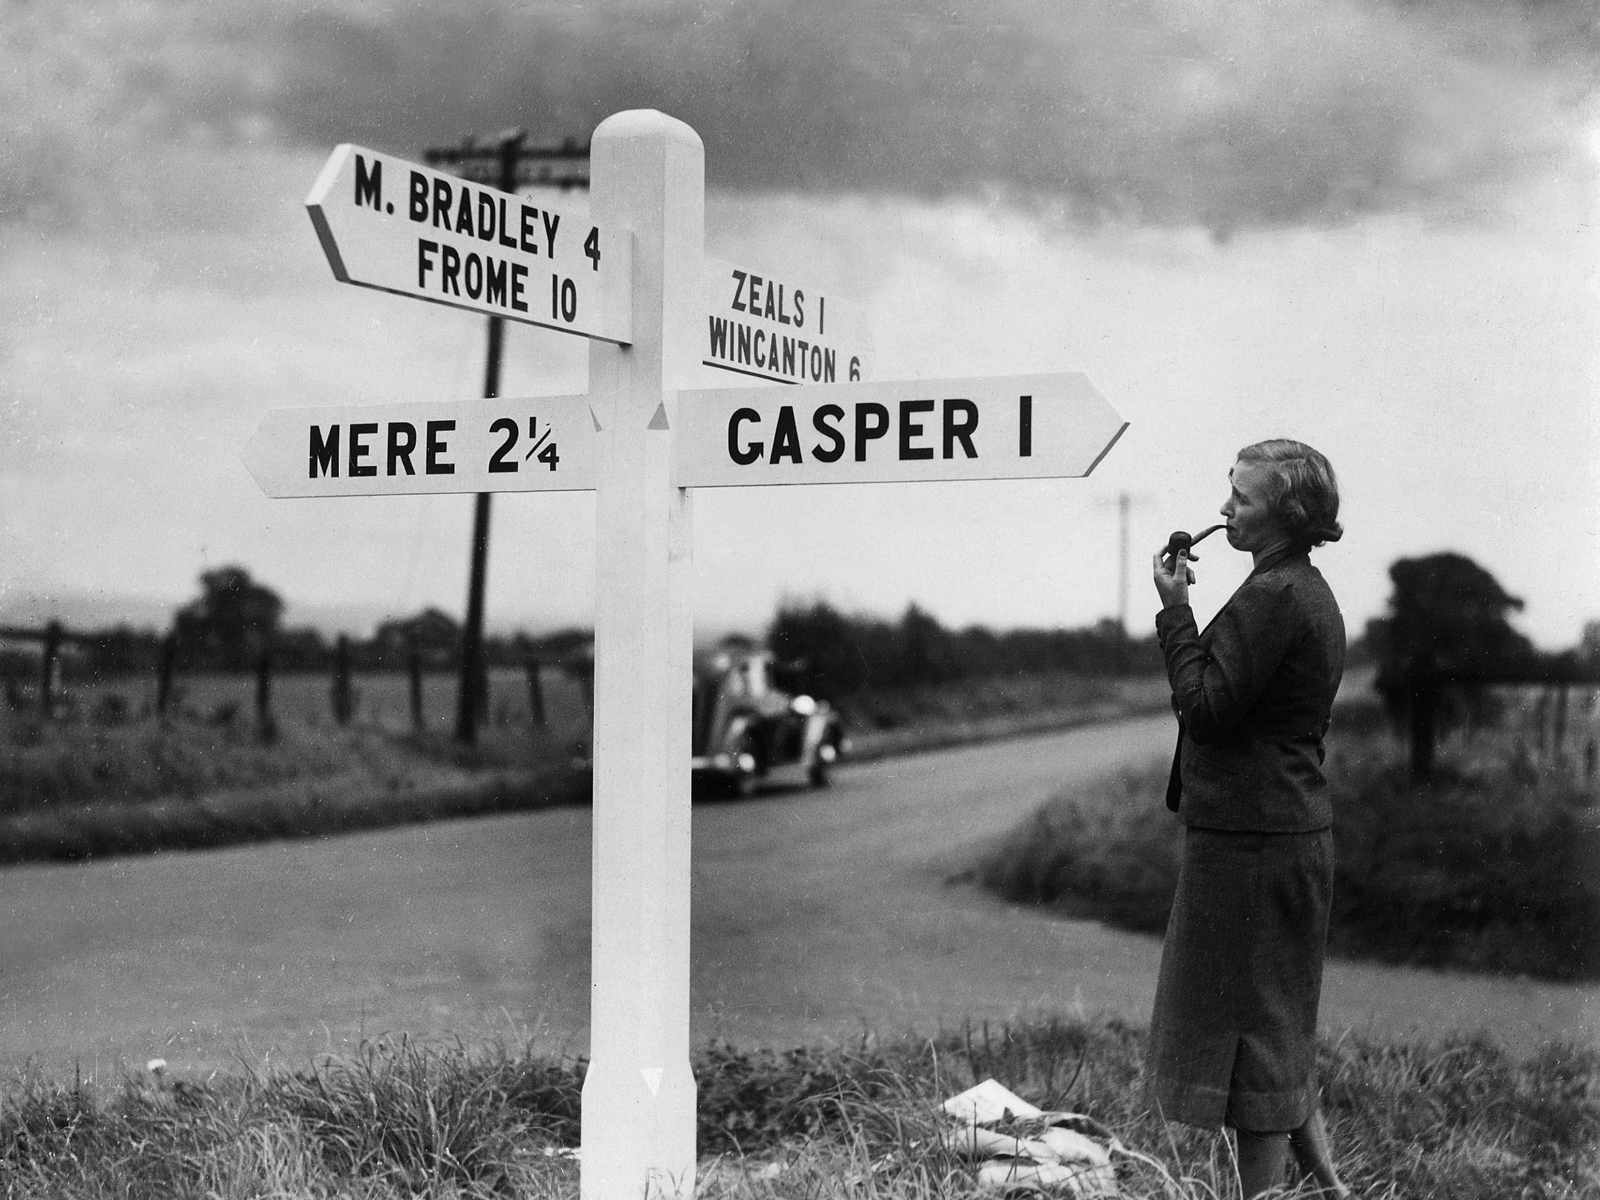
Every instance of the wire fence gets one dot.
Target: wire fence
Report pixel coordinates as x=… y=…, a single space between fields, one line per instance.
x=48 y=672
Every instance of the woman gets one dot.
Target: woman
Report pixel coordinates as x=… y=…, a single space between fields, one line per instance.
x=1233 y=1033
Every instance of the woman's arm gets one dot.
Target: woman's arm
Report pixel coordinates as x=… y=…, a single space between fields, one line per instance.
x=1214 y=687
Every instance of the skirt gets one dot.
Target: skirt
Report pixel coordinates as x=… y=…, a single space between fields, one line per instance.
x=1233 y=1036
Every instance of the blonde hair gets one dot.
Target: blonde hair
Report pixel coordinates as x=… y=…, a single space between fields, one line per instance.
x=1301 y=489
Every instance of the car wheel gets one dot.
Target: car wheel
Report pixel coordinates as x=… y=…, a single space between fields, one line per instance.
x=742 y=783
x=821 y=773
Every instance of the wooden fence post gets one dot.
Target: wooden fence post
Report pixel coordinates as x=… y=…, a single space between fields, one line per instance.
x=48 y=669
x=1424 y=700
x=169 y=656
x=343 y=701
x=535 y=692
x=585 y=677
x=414 y=670
x=264 y=721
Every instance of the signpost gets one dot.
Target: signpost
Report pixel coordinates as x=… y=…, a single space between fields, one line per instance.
x=644 y=438
x=779 y=328
x=541 y=444
x=402 y=227
x=1016 y=427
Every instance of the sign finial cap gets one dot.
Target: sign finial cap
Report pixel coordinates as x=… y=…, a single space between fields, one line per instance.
x=646 y=122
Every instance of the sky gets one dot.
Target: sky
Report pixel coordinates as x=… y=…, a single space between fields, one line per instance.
x=1366 y=224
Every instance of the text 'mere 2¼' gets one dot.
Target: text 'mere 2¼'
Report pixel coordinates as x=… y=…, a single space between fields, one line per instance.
x=505 y=444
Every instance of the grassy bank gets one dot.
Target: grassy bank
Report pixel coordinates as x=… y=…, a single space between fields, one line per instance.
x=885 y=723
x=61 y=763
x=1458 y=1119
x=89 y=787
x=81 y=789
x=1493 y=864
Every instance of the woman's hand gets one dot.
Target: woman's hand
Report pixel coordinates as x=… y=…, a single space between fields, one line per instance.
x=1173 y=586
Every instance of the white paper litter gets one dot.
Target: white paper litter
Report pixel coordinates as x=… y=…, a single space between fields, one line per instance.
x=1046 y=1157
x=1068 y=1145
x=1076 y=1179
x=988 y=1102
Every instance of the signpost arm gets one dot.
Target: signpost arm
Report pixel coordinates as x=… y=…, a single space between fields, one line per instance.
x=638 y=1137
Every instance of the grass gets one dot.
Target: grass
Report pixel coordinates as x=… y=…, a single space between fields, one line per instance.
x=1111 y=852
x=47 y=764
x=967 y=699
x=1493 y=864
x=1456 y=1118
x=108 y=746
x=890 y=722
x=79 y=789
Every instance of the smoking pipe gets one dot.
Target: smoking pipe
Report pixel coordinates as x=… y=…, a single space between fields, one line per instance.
x=1180 y=541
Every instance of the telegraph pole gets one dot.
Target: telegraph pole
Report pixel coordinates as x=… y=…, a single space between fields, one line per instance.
x=505 y=162
x=1125 y=503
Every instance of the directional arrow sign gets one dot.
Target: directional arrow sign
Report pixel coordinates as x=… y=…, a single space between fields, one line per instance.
x=539 y=444
x=1000 y=427
x=780 y=328
x=399 y=227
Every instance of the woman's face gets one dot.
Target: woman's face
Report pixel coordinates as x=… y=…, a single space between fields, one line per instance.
x=1252 y=525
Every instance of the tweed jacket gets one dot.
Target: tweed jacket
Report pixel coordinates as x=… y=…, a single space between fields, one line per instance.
x=1254 y=697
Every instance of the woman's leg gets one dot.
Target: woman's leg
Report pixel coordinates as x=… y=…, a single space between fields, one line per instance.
x=1261 y=1158
x=1314 y=1152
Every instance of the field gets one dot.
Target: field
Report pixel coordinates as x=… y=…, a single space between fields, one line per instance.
x=305 y=698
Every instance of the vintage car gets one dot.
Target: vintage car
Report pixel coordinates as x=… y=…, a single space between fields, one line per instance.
x=748 y=730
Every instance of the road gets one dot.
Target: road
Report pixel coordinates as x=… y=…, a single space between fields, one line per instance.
x=816 y=915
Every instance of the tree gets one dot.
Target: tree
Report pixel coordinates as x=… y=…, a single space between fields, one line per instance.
x=434 y=634
x=1445 y=611
x=819 y=643
x=124 y=649
x=1589 y=647
x=299 y=649
x=232 y=623
x=925 y=655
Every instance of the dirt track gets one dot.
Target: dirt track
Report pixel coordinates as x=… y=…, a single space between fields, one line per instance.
x=816 y=914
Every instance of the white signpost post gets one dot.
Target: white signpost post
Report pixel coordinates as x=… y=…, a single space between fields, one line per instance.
x=644 y=440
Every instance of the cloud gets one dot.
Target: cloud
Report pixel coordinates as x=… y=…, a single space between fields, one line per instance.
x=1223 y=113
